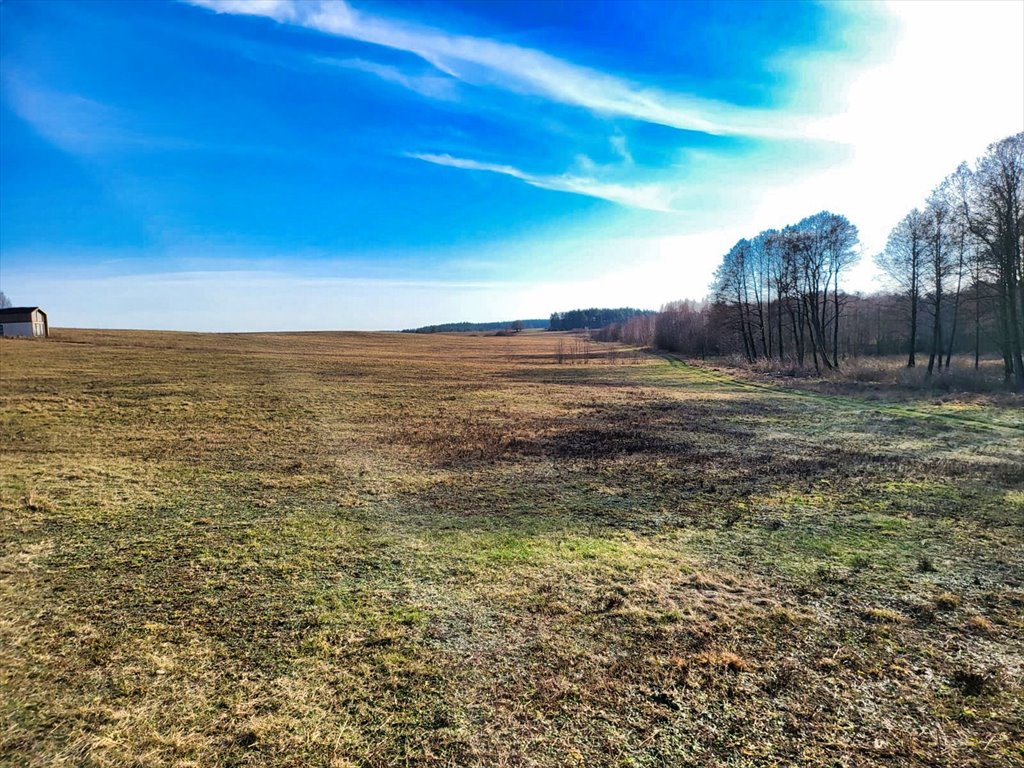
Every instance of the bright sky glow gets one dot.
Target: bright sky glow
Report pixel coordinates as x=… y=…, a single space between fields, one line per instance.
x=277 y=164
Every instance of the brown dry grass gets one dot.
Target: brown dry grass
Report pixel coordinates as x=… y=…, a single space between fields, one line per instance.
x=384 y=550
x=888 y=378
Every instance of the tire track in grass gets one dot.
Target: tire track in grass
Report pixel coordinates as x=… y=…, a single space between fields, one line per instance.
x=704 y=375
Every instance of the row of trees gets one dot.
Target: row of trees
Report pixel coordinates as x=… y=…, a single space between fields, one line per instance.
x=681 y=326
x=513 y=325
x=872 y=325
x=594 y=318
x=782 y=289
x=967 y=242
x=955 y=266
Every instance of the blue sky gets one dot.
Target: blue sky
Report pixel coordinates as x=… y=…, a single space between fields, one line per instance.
x=351 y=165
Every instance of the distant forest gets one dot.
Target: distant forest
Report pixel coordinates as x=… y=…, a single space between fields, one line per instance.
x=572 y=320
x=594 y=318
x=479 y=327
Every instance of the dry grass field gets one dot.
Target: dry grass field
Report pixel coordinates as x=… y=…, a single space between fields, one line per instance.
x=396 y=550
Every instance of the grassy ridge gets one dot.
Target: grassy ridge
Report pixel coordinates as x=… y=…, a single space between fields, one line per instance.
x=383 y=549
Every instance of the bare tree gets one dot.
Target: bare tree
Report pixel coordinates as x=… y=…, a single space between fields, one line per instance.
x=682 y=326
x=815 y=271
x=794 y=273
x=4 y=301
x=758 y=266
x=955 y=190
x=902 y=261
x=638 y=331
x=938 y=246
x=995 y=213
x=840 y=241
x=732 y=288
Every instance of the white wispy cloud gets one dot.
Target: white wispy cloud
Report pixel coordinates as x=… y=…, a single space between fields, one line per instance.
x=75 y=123
x=85 y=127
x=431 y=86
x=621 y=148
x=652 y=197
x=485 y=62
x=281 y=10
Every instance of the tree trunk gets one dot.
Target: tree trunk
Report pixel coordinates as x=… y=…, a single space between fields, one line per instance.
x=743 y=333
x=936 y=331
x=956 y=312
x=1004 y=330
x=1015 y=332
x=778 y=321
x=977 y=318
x=912 y=359
x=798 y=333
x=835 y=329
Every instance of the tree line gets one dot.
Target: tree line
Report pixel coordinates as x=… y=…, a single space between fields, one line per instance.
x=517 y=325
x=782 y=287
x=966 y=243
x=593 y=318
x=954 y=267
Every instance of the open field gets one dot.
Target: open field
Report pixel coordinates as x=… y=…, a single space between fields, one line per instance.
x=388 y=550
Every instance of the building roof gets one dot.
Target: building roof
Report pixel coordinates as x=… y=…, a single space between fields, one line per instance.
x=18 y=314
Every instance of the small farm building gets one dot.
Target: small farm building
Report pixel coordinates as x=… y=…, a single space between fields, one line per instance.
x=23 y=321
